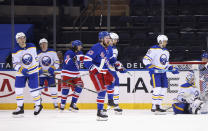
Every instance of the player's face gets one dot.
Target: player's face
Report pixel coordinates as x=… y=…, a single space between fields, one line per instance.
x=106 y=41
x=21 y=41
x=44 y=46
x=115 y=42
x=205 y=59
x=163 y=44
x=79 y=48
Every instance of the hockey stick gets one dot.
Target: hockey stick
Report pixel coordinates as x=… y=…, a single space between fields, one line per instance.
x=67 y=81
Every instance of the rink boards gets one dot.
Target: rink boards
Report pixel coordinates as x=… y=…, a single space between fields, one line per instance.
x=135 y=91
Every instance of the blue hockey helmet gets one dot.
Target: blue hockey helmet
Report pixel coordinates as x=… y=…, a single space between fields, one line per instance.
x=103 y=34
x=76 y=43
x=205 y=55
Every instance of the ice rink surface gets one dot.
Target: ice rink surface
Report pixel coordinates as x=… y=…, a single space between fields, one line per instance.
x=85 y=120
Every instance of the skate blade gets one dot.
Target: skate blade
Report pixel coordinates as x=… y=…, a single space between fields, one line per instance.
x=101 y=119
x=160 y=113
x=18 y=116
x=72 y=110
x=118 y=113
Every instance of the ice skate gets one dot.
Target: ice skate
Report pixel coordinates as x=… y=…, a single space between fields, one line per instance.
x=101 y=116
x=118 y=110
x=159 y=111
x=38 y=109
x=55 y=105
x=73 y=107
x=111 y=105
x=19 y=112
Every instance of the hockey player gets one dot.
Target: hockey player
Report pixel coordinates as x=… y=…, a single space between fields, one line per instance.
x=95 y=60
x=188 y=97
x=48 y=62
x=157 y=61
x=25 y=62
x=70 y=74
x=113 y=89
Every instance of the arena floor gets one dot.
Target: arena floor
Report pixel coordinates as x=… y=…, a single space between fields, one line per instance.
x=85 y=120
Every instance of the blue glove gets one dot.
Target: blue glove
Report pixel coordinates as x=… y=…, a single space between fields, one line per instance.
x=174 y=70
x=122 y=70
x=24 y=71
x=51 y=70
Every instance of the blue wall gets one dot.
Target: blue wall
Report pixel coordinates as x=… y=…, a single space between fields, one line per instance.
x=6 y=35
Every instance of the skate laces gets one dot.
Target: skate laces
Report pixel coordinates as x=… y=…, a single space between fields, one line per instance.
x=18 y=109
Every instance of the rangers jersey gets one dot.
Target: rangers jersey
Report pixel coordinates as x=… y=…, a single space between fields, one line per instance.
x=71 y=65
x=95 y=55
x=157 y=57
x=25 y=57
x=47 y=59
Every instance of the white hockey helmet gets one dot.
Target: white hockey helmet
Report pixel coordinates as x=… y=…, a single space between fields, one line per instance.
x=162 y=38
x=20 y=34
x=43 y=40
x=114 y=36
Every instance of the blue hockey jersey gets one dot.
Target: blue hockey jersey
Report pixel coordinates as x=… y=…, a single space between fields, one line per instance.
x=71 y=63
x=95 y=55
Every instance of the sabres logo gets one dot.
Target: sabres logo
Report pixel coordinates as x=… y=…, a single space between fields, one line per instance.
x=27 y=59
x=46 y=61
x=163 y=59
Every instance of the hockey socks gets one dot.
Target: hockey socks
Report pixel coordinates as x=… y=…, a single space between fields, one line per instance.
x=100 y=100
x=19 y=96
x=64 y=92
x=54 y=96
x=116 y=95
x=110 y=91
x=75 y=96
x=35 y=93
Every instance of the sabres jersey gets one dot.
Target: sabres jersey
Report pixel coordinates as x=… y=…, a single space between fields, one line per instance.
x=71 y=64
x=112 y=57
x=25 y=57
x=158 y=57
x=187 y=89
x=48 y=59
x=95 y=55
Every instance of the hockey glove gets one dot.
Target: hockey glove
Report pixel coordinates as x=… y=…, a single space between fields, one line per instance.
x=174 y=70
x=51 y=70
x=24 y=71
x=94 y=69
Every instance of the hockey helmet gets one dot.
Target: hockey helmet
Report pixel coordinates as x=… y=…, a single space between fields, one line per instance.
x=43 y=40
x=162 y=38
x=190 y=77
x=76 y=43
x=114 y=36
x=205 y=55
x=20 y=34
x=103 y=34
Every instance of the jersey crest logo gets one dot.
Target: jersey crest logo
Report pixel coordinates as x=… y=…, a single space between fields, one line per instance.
x=27 y=59
x=46 y=61
x=163 y=59
x=91 y=52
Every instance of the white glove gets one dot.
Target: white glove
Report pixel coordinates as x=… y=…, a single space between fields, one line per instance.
x=206 y=65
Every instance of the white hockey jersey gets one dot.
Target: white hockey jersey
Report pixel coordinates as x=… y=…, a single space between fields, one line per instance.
x=188 y=92
x=26 y=58
x=48 y=59
x=158 y=57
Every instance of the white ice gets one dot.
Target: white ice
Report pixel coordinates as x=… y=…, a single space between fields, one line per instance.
x=85 y=120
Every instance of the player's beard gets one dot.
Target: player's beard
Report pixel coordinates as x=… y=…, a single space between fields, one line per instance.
x=105 y=43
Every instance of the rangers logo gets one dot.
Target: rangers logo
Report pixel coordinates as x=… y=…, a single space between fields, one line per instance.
x=27 y=59
x=163 y=59
x=46 y=61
